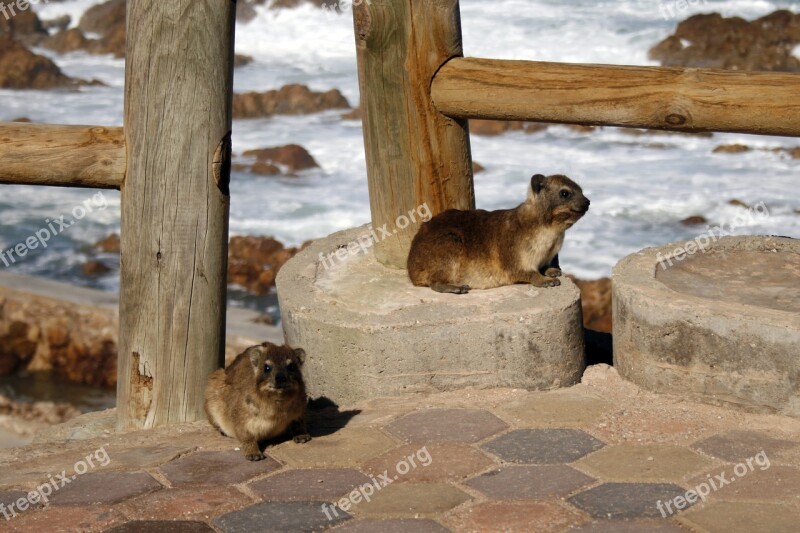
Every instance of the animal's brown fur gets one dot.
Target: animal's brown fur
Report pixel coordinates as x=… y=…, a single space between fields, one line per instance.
x=458 y=250
x=259 y=396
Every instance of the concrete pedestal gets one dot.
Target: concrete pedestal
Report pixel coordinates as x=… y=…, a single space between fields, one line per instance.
x=721 y=324
x=369 y=332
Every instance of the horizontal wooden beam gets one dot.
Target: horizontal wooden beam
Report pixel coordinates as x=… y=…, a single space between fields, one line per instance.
x=682 y=99
x=64 y=156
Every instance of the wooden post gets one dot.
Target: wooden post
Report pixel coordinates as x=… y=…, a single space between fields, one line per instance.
x=415 y=155
x=175 y=202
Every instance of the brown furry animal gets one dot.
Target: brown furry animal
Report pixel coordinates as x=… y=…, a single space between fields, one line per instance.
x=458 y=250
x=259 y=396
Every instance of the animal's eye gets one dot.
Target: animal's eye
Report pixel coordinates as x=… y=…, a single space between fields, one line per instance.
x=267 y=369
x=565 y=194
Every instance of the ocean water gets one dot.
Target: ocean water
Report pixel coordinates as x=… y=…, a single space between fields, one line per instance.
x=639 y=192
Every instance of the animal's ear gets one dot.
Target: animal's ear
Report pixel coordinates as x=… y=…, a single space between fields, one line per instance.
x=537 y=183
x=254 y=353
x=300 y=354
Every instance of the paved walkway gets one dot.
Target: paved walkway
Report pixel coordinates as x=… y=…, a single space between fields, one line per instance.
x=600 y=456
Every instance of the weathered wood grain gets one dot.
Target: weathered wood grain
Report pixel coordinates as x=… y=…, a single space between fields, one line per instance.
x=175 y=203
x=64 y=156
x=679 y=99
x=415 y=155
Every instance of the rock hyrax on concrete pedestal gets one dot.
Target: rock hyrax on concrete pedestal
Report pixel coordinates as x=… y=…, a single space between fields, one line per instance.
x=458 y=250
x=259 y=396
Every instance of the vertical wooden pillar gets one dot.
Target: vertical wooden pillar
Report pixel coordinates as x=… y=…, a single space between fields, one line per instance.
x=175 y=203
x=415 y=155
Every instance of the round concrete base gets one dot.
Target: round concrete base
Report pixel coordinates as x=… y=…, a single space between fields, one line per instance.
x=369 y=332
x=721 y=325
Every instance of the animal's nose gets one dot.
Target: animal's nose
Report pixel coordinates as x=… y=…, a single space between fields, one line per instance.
x=586 y=205
x=281 y=379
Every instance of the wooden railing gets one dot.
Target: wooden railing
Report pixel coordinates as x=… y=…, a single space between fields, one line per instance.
x=417 y=93
x=171 y=162
x=172 y=159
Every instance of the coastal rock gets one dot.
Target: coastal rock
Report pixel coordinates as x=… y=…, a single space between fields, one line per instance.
x=108 y=244
x=596 y=303
x=694 y=220
x=738 y=203
x=58 y=23
x=293 y=99
x=292 y=156
x=22 y=25
x=94 y=268
x=713 y=41
x=636 y=132
x=100 y=18
x=731 y=149
x=477 y=167
x=67 y=41
x=253 y=262
x=25 y=419
x=263 y=168
x=22 y=69
x=498 y=127
x=75 y=342
x=107 y=20
x=240 y=60
x=355 y=114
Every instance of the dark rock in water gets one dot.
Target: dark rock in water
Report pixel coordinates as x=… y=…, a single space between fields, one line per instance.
x=636 y=132
x=265 y=169
x=731 y=149
x=22 y=69
x=477 y=167
x=355 y=114
x=253 y=262
x=293 y=156
x=100 y=18
x=59 y=23
x=712 y=41
x=694 y=220
x=108 y=244
x=106 y=19
x=738 y=203
x=94 y=268
x=240 y=60
x=21 y=25
x=21 y=119
x=293 y=99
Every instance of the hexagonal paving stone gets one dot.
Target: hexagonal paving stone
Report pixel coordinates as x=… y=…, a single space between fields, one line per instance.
x=162 y=526
x=11 y=499
x=628 y=500
x=146 y=456
x=413 y=499
x=543 y=446
x=561 y=409
x=643 y=462
x=397 y=525
x=530 y=482
x=489 y=517
x=738 y=446
x=346 y=447
x=215 y=468
x=313 y=484
x=430 y=463
x=281 y=517
x=628 y=526
x=447 y=425
x=774 y=484
x=93 y=519
x=104 y=487
x=190 y=503
x=729 y=517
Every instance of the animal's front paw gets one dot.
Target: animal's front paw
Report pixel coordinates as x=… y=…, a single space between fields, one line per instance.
x=553 y=272
x=299 y=439
x=254 y=456
x=546 y=283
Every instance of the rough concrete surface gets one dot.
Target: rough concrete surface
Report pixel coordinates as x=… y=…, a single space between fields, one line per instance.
x=369 y=332
x=720 y=325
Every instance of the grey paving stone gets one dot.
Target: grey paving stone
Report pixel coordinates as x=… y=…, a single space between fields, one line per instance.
x=447 y=425
x=280 y=517
x=530 y=482
x=628 y=526
x=216 y=468
x=162 y=526
x=104 y=487
x=543 y=446
x=397 y=525
x=627 y=500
